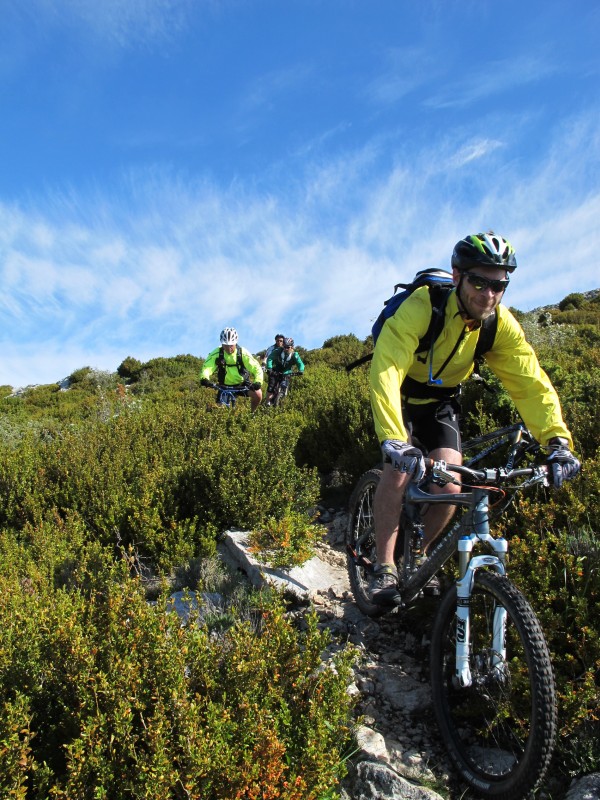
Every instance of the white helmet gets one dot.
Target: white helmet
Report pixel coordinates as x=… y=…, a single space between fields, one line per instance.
x=229 y=336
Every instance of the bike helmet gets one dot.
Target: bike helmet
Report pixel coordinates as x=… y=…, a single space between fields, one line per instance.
x=484 y=250
x=288 y=342
x=229 y=336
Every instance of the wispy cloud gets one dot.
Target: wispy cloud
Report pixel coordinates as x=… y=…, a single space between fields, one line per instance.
x=404 y=71
x=161 y=265
x=115 y=22
x=483 y=85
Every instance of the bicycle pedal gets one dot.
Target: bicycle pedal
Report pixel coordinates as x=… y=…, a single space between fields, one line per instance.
x=433 y=588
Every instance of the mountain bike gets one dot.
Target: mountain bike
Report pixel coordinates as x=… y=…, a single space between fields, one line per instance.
x=491 y=675
x=227 y=395
x=282 y=387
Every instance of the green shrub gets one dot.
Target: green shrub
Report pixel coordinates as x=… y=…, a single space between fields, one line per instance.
x=162 y=479
x=571 y=301
x=129 y=369
x=286 y=541
x=555 y=561
x=107 y=696
x=341 y=435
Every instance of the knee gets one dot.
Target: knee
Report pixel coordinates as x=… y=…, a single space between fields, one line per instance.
x=393 y=482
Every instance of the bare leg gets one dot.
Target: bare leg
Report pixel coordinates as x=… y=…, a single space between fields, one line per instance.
x=437 y=517
x=386 y=507
x=255 y=398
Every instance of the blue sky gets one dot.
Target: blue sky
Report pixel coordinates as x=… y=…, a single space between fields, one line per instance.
x=169 y=167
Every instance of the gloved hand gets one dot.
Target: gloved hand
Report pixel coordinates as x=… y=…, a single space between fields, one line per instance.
x=205 y=382
x=563 y=464
x=255 y=386
x=404 y=457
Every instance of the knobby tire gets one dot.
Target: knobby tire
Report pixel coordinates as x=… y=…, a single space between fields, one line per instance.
x=500 y=731
x=360 y=537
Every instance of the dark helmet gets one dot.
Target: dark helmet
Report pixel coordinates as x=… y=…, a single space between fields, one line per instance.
x=288 y=342
x=484 y=250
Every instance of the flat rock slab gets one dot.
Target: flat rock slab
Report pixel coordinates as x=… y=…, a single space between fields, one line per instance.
x=315 y=577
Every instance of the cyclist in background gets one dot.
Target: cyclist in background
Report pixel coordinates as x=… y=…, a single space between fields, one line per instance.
x=235 y=366
x=278 y=343
x=282 y=361
x=426 y=405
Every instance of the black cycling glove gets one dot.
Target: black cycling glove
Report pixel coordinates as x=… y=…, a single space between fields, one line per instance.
x=563 y=464
x=205 y=382
x=255 y=386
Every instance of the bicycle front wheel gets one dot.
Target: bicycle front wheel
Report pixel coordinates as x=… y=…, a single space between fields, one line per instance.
x=499 y=731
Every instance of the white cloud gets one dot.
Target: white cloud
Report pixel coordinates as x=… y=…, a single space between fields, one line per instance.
x=483 y=85
x=160 y=268
x=126 y=23
x=406 y=69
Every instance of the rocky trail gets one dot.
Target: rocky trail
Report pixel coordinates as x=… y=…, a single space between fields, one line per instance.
x=399 y=754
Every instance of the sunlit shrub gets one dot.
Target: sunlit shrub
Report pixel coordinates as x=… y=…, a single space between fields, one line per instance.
x=286 y=541
x=104 y=695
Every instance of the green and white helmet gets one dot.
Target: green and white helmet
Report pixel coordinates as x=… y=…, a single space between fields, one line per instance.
x=484 y=250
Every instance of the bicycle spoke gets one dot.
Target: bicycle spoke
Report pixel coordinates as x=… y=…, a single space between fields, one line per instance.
x=360 y=540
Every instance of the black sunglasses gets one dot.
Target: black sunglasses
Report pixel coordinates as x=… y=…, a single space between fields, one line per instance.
x=480 y=283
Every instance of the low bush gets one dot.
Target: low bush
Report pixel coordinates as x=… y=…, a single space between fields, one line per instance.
x=286 y=541
x=162 y=480
x=104 y=695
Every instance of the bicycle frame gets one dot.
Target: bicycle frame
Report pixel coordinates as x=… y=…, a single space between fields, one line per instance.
x=471 y=529
x=227 y=395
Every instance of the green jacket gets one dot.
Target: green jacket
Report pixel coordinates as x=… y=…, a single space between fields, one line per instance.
x=511 y=359
x=232 y=374
x=277 y=361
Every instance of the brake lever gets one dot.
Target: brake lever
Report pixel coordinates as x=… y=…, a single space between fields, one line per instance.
x=440 y=475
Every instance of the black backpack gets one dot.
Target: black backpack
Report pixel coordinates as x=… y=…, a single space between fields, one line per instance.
x=222 y=366
x=440 y=285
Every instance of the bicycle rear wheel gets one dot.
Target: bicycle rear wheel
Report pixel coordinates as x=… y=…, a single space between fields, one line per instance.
x=360 y=541
x=499 y=731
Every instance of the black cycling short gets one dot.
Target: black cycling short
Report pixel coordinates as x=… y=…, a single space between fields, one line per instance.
x=434 y=425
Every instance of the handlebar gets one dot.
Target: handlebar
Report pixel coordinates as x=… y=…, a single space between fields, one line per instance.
x=237 y=389
x=441 y=472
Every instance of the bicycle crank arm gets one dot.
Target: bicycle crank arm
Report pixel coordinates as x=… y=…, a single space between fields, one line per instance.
x=360 y=561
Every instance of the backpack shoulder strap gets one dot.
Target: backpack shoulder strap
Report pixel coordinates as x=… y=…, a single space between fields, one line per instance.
x=487 y=334
x=439 y=298
x=221 y=368
x=240 y=364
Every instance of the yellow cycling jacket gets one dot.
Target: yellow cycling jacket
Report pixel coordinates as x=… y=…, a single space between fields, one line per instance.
x=511 y=358
x=232 y=374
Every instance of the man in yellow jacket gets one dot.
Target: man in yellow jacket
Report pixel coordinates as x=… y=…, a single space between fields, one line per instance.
x=419 y=396
x=235 y=366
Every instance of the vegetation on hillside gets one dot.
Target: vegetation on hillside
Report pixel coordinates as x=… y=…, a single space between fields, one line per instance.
x=130 y=475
